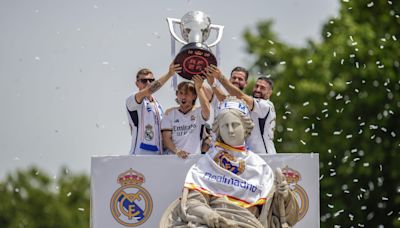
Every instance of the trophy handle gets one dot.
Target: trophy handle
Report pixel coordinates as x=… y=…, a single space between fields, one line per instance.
x=220 y=30
x=171 y=22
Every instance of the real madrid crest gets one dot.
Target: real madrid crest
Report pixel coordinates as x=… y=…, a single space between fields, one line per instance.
x=229 y=162
x=148 y=132
x=293 y=177
x=131 y=205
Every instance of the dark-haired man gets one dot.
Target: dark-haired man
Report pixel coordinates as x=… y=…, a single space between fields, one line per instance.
x=262 y=109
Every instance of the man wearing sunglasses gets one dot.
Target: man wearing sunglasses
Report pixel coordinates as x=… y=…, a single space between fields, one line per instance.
x=145 y=113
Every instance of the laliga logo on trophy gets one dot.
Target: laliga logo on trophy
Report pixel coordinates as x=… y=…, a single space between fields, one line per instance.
x=196 y=54
x=131 y=205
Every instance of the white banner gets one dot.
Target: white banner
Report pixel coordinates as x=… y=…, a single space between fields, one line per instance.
x=134 y=191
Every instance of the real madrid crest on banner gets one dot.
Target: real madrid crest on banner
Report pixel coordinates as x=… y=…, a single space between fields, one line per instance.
x=229 y=162
x=293 y=177
x=131 y=204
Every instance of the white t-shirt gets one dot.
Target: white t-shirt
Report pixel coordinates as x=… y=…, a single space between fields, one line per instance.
x=145 y=120
x=186 y=128
x=263 y=116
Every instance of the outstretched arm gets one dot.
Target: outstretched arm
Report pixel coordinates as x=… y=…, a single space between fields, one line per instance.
x=205 y=105
x=232 y=90
x=167 y=140
x=212 y=82
x=157 y=84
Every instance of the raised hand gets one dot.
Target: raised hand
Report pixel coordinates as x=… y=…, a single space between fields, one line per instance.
x=213 y=71
x=174 y=68
x=198 y=81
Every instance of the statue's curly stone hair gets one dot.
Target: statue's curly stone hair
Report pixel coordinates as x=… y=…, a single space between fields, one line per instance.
x=246 y=119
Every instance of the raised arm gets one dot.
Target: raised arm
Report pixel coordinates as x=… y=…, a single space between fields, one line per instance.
x=204 y=103
x=215 y=89
x=157 y=84
x=232 y=90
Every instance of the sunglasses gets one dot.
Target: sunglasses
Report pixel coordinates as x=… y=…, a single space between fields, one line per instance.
x=145 y=80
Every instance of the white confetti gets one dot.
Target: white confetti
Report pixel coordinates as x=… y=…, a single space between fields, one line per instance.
x=69 y=194
x=289 y=129
x=81 y=209
x=373 y=127
x=292 y=87
x=306 y=103
x=309 y=61
x=337 y=132
x=105 y=63
x=328 y=34
x=371 y=4
x=282 y=62
x=338 y=213
x=37 y=58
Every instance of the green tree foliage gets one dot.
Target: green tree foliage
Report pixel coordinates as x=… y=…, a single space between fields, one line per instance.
x=32 y=199
x=340 y=98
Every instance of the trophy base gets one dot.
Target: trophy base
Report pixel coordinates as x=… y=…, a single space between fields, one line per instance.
x=194 y=58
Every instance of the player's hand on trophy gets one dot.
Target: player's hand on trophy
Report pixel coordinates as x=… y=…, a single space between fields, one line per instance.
x=198 y=81
x=174 y=68
x=209 y=77
x=213 y=71
x=281 y=184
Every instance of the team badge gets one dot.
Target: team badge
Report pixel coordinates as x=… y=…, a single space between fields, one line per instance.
x=293 y=177
x=229 y=162
x=131 y=205
x=148 y=133
x=192 y=118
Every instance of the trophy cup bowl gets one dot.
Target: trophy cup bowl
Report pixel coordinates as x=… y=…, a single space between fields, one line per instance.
x=195 y=55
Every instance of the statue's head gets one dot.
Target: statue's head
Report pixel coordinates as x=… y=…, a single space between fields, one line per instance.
x=233 y=123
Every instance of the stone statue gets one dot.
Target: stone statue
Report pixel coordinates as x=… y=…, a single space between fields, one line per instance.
x=232 y=186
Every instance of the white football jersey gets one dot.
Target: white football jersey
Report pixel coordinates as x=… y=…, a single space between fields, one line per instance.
x=185 y=127
x=261 y=138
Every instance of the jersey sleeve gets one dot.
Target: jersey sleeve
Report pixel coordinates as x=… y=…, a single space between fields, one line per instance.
x=166 y=122
x=261 y=107
x=131 y=103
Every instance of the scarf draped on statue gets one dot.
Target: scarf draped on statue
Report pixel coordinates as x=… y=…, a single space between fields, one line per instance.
x=237 y=174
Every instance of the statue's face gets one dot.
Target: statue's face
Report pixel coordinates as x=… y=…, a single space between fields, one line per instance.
x=231 y=130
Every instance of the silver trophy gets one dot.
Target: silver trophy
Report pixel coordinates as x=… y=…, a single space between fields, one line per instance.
x=196 y=54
